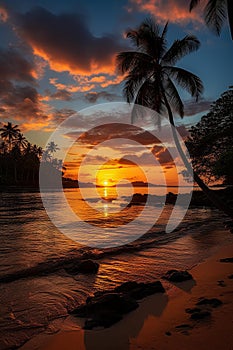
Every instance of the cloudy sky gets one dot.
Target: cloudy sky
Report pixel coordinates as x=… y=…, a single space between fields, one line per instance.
x=58 y=57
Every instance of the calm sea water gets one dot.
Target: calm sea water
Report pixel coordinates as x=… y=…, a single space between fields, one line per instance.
x=29 y=239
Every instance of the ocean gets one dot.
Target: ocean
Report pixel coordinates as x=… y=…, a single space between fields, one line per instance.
x=36 y=291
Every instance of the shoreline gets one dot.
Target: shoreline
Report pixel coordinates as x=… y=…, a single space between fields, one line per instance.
x=161 y=321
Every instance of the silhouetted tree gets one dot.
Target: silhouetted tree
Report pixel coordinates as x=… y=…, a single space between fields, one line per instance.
x=211 y=141
x=9 y=133
x=20 y=160
x=52 y=147
x=151 y=77
x=20 y=141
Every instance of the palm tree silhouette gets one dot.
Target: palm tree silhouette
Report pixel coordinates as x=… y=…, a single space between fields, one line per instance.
x=9 y=133
x=21 y=141
x=37 y=151
x=52 y=147
x=151 y=77
x=216 y=13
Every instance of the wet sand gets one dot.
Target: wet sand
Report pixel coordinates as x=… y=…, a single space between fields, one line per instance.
x=161 y=321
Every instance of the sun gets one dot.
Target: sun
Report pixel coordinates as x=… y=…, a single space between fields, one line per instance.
x=105 y=183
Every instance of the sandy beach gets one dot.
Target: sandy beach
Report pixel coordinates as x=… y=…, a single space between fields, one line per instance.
x=161 y=321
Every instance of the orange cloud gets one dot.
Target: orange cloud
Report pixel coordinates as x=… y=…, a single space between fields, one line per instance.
x=82 y=85
x=60 y=64
x=66 y=42
x=39 y=67
x=167 y=10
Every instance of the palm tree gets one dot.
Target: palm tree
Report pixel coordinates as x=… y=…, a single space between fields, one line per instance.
x=52 y=147
x=37 y=151
x=151 y=76
x=21 y=141
x=46 y=156
x=9 y=133
x=216 y=12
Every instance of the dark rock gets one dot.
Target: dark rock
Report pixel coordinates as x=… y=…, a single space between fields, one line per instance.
x=213 y=302
x=85 y=266
x=140 y=290
x=105 y=310
x=135 y=290
x=200 y=315
x=177 y=276
x=107 y=307
x=110 y=302
x=127 y=287
x=145 y=290
x=227 y=260
x=168 y=333
x=192 y=310
x=230 y=277
x=88 y=266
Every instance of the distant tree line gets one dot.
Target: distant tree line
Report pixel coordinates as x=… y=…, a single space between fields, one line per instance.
x=20 y=160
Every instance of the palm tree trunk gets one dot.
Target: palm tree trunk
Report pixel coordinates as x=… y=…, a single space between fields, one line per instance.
x=230 y=16
x=209 y=193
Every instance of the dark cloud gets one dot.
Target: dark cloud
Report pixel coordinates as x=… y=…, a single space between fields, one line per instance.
x=14 y=66
x=62 y=114
x=191 y=107
x=66 y=42
x=16 y=94
x=19 y=98
x=92 y=97
x=89 y=159
x=62 y=95
x=159 y=153
x=115 y=130
x=20 y=102
x=163 y=155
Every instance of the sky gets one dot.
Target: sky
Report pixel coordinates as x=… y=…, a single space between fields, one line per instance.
x=58 y=57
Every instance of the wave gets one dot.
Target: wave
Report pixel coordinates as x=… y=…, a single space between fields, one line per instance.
x=74 y=256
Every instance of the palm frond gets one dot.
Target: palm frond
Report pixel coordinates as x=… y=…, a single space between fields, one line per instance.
x=174 y=97
x=164 y=32
x=187 y=80
x=215 y=13
x=151 y=25
x=148 y=39
x=193 y=3
x=230 y=16
x=132 y=84
x=129 y=60
x=133 y=36
x=149 y=95
x=180 y=48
